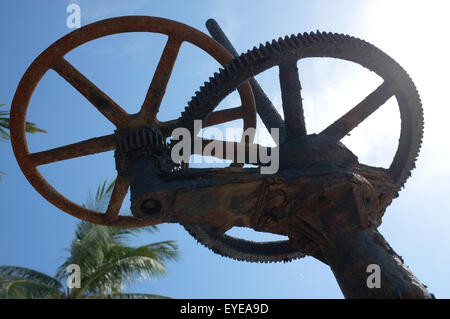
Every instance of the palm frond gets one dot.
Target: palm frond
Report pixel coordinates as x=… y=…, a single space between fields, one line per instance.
x=3 y=134
x=21 y=282
x=5 y=124
x=166 y=250
x=31 y=274
x=100 y=201
x=92 y=241
x=28 y=289
x=105 y=261
x=112 y=277
x=87 y=248
x=127 y=264
x=32 y=128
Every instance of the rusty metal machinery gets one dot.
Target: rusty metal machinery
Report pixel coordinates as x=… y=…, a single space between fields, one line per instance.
x=326 y=202
x=53 y=58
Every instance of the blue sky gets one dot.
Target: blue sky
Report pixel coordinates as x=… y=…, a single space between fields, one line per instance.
x=34 y=234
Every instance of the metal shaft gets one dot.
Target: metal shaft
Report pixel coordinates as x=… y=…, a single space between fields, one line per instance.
x=265 y=108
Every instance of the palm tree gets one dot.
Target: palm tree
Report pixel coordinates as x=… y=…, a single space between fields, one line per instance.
x=105 y=262
x=4 y=125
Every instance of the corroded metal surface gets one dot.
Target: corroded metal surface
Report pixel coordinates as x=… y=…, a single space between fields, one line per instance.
x=53 y=58
x=398 y=84
x=266 y=110
x=326 y=202
x=285 y=53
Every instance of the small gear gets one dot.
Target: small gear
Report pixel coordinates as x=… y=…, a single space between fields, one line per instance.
x=144 y=137
x=144 y=141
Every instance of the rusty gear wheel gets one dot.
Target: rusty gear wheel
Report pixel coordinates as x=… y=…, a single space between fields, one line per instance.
x=53 y=58
x=285 y=53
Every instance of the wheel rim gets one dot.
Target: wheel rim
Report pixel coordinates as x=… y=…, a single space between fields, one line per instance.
x=52 y=58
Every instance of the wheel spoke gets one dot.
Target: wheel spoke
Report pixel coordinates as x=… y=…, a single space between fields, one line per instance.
x=234 y=151
x=224 y=116
x=117 y=197
x=160 y=79
x=168 y=127
x=360 y=112
x=87 y=147
x=292 y=100
x=214 y=118
x=110 y=109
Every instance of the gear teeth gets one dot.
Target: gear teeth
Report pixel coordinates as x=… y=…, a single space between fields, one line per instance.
x=318 y=35
x=283 y=44
x=213 y=80
x=217 y=77
x=221 y=74
x=140 y=139
x=216 y=244
x=201 y=92
x=289 y=42
x=313 y=37
x=321 y=44
x=296 y=41
x=144 y=137
x=244 y=58
x=253 y=54
x=269 y=48
x=262 y=50
x=276 y=45
x=327 y=37
x=306 y=40
x=344 y=37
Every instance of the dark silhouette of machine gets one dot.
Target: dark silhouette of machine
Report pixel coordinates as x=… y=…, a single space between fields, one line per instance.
x=326 y=202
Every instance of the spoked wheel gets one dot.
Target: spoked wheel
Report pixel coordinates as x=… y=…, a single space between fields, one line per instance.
x=53 y=58
x=284 y=54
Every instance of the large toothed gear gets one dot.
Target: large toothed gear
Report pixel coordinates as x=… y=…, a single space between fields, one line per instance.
x=241 y=249
x=284 y=53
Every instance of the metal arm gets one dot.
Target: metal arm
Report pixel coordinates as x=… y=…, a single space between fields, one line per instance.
x=266 y=110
